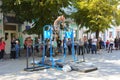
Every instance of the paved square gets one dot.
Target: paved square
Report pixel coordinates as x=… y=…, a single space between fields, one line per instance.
x=108 y=65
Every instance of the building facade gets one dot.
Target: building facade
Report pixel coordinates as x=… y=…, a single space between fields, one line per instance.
x=10 y=28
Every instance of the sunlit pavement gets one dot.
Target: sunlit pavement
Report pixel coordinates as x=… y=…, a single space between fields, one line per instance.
x=108 y=65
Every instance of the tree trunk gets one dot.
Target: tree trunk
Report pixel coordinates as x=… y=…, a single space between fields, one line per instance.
x=97 y=34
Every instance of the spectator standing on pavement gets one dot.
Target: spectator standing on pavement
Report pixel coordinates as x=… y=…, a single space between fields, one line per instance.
x=119 y=43
x=64 y=46
x=59 y=42
x=17 y=49
x=36 y=44
x=75 y=45
x=111 y=44
x=13 y=52
x=25 y=44
x=107 y=44
x=17 y=39
x=29 y=43
x=94 y=45
x=89 y=44
x=86 y=50
x=2 y=48
x=116 y=42
x=48 y=48
x=81 y=47
x=69 y=45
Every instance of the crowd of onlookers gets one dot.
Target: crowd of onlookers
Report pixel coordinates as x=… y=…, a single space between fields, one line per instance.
x=81 y=46
x=14 y=51
x=15 y=48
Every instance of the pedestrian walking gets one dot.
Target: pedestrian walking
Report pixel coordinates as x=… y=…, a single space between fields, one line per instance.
x=2 y=48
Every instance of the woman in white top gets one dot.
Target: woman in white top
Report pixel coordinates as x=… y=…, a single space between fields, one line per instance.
x=111 y=44
x=94 y=45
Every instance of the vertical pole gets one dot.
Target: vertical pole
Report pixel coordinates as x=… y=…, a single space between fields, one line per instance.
x=64 y=47
x=73 y=51
x=51 y=53
x=27 y=57
x=43 y=52
x=33 y=55
x=50 y=43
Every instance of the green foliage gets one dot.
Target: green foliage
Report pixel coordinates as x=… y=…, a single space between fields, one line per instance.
x=41 y=11
x=96 y=15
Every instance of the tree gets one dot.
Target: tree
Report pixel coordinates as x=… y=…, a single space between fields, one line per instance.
x=96 y=15
x=42 y=12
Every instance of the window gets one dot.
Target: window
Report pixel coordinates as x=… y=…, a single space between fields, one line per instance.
x=6 y=36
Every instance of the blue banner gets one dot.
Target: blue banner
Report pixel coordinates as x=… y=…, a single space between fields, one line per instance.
x=68 y=34
x=46 y=34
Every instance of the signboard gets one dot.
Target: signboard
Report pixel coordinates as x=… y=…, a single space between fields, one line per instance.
x=47 y=34
x=68 y=34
